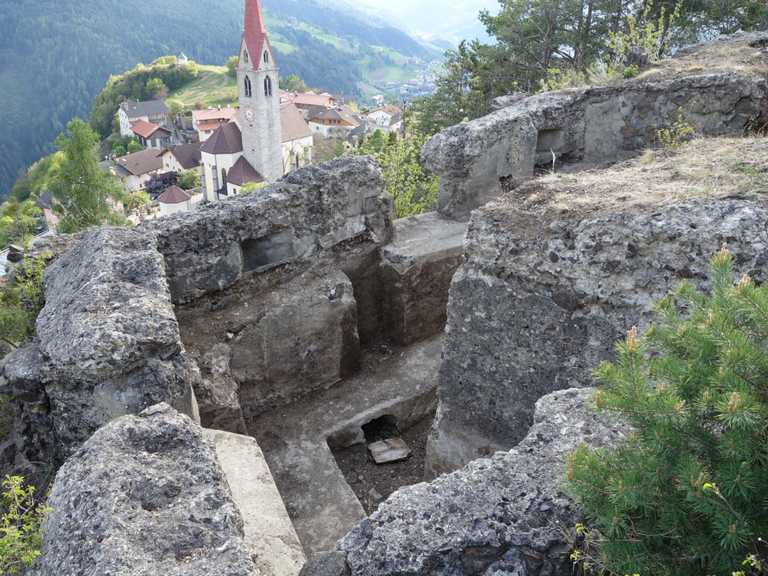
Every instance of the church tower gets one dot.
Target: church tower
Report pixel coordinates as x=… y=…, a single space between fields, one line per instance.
x=259 y=114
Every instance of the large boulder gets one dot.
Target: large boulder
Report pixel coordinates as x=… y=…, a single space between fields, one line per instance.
x=107 y=341
x=144 y=496
x=500 y=516
x=558 y=270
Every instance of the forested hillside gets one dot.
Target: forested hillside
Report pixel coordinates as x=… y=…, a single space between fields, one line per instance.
x=55 y=55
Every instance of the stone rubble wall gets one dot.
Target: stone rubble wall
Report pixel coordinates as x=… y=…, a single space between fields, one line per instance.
x=503 y=515
x=545 y=293
x=478 y=160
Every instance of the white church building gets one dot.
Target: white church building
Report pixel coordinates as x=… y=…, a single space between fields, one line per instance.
x=252 y=147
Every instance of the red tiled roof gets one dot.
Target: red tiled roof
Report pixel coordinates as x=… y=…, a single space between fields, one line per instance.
x=173 y=195
x=242 y=173
x=227 y=139
x=145 y=129
x=255 y=33
x=306 y=99
x=214 y=114
x=209 y=125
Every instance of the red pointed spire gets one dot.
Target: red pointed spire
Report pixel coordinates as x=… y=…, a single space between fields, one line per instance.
x=254 y=31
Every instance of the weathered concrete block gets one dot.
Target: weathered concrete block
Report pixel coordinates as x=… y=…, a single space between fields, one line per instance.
x=107 y=339
x=267 y=530
x=560 y=268
x=285 y=338
x=503 y=515
x=145 y=495
x=478 y=160
x=310 y=210
x=417 y=268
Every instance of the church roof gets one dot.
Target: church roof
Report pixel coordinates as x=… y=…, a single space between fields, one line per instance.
x=293 y=125
x=242 y=173
x=254 y=32
x=173 y=195
x=227 y=139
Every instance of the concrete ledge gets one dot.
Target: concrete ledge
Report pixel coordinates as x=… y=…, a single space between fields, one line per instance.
x=417 y=269
x=268 y=532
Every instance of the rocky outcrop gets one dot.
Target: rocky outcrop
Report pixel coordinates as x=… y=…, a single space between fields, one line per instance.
x=560 y=268
x=309 y=211
x=145 y=495
x=504 y=515
x=478 y=160
x=107 y=344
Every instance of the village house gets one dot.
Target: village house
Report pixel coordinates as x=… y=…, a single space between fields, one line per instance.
x=174 y=200
x=151 y=135
x=181 y=158
x=333 y=122
x=307 y=101
x=136 y=170
x=387 y=117
x=153 y=111
x=205 y=122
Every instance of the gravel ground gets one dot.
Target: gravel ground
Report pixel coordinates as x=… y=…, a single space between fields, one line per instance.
x=373 y=483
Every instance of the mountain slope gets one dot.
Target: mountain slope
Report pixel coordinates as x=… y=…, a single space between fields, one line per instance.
x=55 y=55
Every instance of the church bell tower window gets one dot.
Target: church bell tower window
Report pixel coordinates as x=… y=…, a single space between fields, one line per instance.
x=267 y=86
x=266 y=57
x=248 y=87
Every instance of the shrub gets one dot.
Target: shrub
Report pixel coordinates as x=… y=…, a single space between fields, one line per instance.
x=21 y=302
x=20 y=526
x=686 y=494
x=678 y=133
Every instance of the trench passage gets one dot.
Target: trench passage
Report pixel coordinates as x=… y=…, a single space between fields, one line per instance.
x=373 y=483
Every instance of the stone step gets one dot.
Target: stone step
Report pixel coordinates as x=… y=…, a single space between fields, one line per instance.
x=269 y=533
x=296 y=439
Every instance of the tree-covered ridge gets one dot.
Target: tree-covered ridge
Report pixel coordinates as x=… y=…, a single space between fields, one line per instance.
x=56 y=55
x=550 y=44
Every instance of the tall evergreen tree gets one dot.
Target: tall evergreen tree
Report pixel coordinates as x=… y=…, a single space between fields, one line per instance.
x=86 y=195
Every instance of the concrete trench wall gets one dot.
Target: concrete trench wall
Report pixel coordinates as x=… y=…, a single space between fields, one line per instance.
x=478 y=160
x=279 y=288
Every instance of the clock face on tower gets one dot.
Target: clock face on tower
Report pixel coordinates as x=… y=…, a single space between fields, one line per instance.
x=249 y=115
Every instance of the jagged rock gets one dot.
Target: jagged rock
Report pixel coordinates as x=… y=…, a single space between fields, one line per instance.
x=500 y=515
x=478 y=160
x=107 y=342
x=144 y=496
x=310 y=210
x=217 y=392
x=558 y=270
